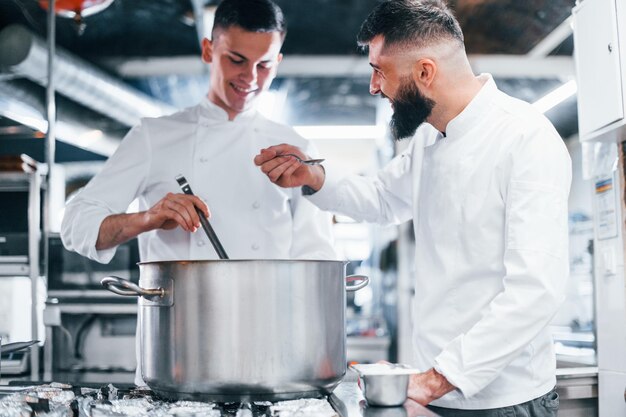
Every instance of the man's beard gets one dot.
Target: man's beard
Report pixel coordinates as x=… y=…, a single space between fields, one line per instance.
x=410 y=110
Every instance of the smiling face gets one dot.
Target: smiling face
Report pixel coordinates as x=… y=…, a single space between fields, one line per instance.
x=243 y=65
x=392 y=79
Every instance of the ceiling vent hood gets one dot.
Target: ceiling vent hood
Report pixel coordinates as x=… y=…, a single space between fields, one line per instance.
x=25 y=54
x=75 y=125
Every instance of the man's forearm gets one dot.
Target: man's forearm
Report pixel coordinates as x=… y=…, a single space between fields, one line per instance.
x=119 y=228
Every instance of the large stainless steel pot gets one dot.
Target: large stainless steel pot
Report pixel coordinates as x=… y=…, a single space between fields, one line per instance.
x=229 y=330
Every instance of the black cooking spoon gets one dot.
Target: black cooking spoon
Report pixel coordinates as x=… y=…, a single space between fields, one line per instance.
x=184 y=185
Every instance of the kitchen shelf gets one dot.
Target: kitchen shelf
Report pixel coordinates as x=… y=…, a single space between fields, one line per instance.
x=14 y=269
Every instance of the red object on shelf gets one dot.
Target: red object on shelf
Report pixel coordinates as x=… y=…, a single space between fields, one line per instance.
x=77 y=9
x=72 y=8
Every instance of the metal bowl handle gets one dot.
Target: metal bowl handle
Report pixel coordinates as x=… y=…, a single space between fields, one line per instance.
x=361 y=279
x=121 y=286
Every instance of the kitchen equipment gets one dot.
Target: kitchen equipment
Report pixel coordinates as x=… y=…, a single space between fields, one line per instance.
x=17 y=346
x=384 y=384
x=20 y=240
x=101 y=398
x=86 y=325
x=73 y=276
x=228 y=330
x=16 y=198
x=105 y=399
x=184 y=185
x=10 y=348
x=303 y=161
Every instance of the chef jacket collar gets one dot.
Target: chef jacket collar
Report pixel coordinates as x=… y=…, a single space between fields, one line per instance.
x=214 y=113
x=476 y=108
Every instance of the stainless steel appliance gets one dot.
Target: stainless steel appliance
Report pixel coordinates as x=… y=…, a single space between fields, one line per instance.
x=71 y=275
x=87 y=325
x=231 y=329
x=14 y=225
x=13 y=357
x=20 y=232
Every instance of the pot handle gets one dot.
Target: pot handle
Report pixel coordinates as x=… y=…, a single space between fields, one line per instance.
x=361 y=279
x=121 y=286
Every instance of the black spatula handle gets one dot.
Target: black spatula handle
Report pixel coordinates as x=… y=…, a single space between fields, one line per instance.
x=184 y=185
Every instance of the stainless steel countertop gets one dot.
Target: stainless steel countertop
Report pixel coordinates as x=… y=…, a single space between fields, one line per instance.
x=347 y=398
x=577 y=383
x=572 y=383
x=349 y=402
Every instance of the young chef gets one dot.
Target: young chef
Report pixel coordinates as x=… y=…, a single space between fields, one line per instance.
x=212 y=145
x=486 y=181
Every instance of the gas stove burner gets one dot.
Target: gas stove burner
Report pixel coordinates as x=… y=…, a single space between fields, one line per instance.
x=110 y=401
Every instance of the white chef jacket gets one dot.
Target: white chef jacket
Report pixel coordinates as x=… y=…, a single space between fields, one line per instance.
x=489 y=206
x=253 y=218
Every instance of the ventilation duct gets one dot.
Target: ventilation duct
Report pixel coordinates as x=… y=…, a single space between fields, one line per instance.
x=74 y=126
x=25 y=54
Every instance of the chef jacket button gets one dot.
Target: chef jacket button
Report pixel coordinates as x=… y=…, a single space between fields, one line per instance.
x=203 y=159
x=256 y=205
x=200 y=243
x=255 y=246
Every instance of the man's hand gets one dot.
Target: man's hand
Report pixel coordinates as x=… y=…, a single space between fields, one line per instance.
x=428 y=386
x=175 y=210
x=171 y=211
x=287 y=171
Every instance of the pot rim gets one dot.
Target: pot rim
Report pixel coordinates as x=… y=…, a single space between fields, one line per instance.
x=216 y=261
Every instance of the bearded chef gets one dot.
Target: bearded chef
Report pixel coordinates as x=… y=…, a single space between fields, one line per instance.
x=486 y=182
x=213 y=145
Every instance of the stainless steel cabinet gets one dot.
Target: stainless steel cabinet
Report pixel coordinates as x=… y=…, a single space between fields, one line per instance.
x=21 y=203
x=597 y=50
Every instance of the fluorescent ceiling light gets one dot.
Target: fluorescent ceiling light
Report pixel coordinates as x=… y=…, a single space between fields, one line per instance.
x=35 y=123
x=89 y=137
x=80 y=136
x=556 y=96
x=21 y=113
x=341 y=132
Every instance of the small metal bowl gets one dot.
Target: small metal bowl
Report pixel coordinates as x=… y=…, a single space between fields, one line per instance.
x=384 y=385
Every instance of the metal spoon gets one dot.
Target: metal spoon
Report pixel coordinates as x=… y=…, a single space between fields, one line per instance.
x=303 y=161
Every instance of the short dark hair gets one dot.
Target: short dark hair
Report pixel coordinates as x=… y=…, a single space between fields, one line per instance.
x=410 y=22
x=250 y=15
